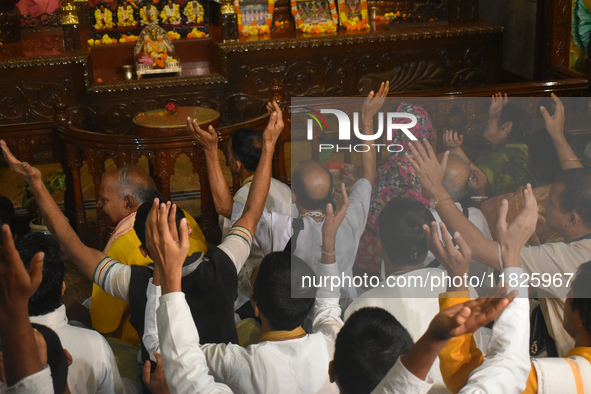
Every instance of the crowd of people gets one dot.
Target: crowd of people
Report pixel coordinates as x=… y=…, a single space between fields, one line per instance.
x=270 y=309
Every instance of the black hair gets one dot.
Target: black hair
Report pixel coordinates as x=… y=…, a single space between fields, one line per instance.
x=7 y=213
x=576 y=196
x=280 y=276
x=142 y=215
x=299 y=188
x=56 y=358
x=521 y=123
x=48 y=296
x=247 y=147
x=400 y=228
x=366 y=348
x=582 y=294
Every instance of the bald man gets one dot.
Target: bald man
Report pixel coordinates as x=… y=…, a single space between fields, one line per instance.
x=121 y=192
x=456 y=182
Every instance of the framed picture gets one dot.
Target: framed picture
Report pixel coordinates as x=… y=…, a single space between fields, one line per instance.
x=353 y=14
x=315 y=16
x=255 y=17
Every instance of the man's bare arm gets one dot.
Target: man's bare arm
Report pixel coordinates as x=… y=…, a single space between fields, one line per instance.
x=371 y=106
x=430 y=173
x=85 y=258
x=259 y=189
x=208 y=139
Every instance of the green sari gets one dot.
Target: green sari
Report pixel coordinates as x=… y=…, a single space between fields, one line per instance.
x=506 y=168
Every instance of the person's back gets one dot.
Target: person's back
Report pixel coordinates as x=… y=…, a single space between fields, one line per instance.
x=93 y=369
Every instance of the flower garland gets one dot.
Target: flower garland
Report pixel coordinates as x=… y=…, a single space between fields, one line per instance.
x=175 y=15
x=101 y=23
x=191 y=14
x=316 y=28
x=144 y=17
x=106 y=40
x=121 y=21
x=355 y=24
x=195 y=33
x=173 y=35
x=255 y=29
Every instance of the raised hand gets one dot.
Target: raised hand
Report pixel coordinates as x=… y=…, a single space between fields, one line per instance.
x=156 y=381
x=427 y=168
x=21 y=168
x=373 y=103
x=275 y=125
x=168 y=251
x=333 y=220
x=554 y=123
x=467 y=317
x=497 y=103
x=455 y=261
x=17 y=284
x=513 y=236
x=452 y=140
x=208 y=139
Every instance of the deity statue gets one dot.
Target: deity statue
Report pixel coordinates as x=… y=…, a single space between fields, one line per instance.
x=103 y=17
x=148 y=13
x=154 y=52
x=125 y=16
x=170 y=14
x=194 y=12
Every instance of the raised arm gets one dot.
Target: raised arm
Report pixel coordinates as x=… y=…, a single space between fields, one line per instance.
x=19 y=348
x=184 y=363
x=430 y=173
x=259 y=189
x=371 y=106
x=555 y=128
x=208 y=139
x=326 y=313
x=85 y=258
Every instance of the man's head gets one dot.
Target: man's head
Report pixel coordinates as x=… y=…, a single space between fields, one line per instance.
x=123 y=190
x=510 y=125
x=280 y=276
x=400 y=231
x=457 y=176
x=139 y=226
x=48 y=296
x=577 y=308
x=366 y=348
x=312 y=186
x=244 y=151
x=568 y=206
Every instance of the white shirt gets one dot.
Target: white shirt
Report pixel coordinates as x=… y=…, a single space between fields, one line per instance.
x=290 y=366
x=401 y=380
x=38 y=383
x=278 y=200
x=556 y=259
x=275 y=230
x=415 y=314
x=507 y=365
x=93 y=369
x=477 y=218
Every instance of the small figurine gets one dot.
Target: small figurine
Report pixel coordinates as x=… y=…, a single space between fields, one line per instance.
x=194 y=12
x=148 y=13
x=170 y=14
x=125 y=16
x=103 y=17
